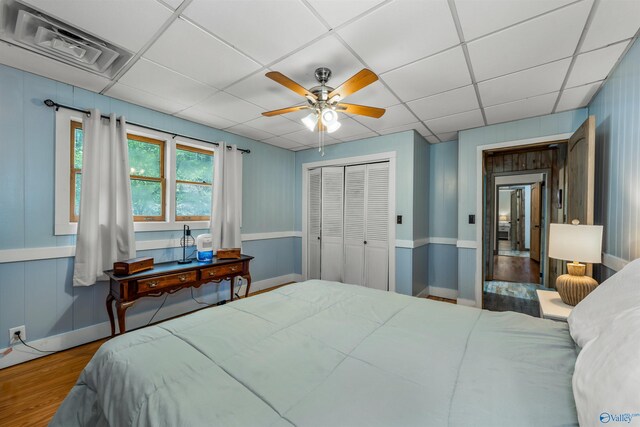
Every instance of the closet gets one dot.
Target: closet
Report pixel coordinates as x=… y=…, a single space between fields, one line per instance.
x=348 y=224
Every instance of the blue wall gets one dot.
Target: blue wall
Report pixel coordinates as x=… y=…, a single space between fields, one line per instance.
x=39 y=294
x=443 y=215
x=617 y=112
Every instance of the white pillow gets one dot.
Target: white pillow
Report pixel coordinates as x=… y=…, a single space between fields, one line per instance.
x=594 y=313
x=606 y=381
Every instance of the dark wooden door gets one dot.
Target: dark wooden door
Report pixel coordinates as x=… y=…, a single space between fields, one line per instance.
x=536 y=221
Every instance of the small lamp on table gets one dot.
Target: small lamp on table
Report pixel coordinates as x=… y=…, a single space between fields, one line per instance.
x=577 y=243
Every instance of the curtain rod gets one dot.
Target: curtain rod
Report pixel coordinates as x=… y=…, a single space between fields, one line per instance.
x=53 y=104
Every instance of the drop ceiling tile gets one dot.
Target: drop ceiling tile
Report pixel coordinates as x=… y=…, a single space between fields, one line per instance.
x=301 y=147
x=376 y=95
x=397 y=115
x=145 y=99
x=26 y=60
x=432 y=139
x=250 y=132
x=281 y=142
x=158 y=80
x=541 y=40
x=196 y=115
x=126 y=23
x=595 y=65
x=348 y=9
x=614 y=20
x=174 y=4
x=275 y=125
x=524 y=84
x=445 y=104
x=358 y=136
x=439 y=73
x=349 y=128
x=229 y=107
x=401 y=32
x=417 y=126
x=306 y=137
x=262 y=91
x=455 y=122
x=577 y=97
x=263 y=29
x=482 y=17
x=446 y=137
x=187 y=49
x=521 y=109
x=326 y=52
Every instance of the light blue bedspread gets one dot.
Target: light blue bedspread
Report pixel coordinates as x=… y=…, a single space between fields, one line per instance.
x=327 y=354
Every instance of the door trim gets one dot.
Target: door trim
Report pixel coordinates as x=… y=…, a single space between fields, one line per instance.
x=479 y=199
x=389 y=156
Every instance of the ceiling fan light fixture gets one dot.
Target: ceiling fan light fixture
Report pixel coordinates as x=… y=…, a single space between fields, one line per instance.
x=333 y=127
x=329 y=117
x=310 y=121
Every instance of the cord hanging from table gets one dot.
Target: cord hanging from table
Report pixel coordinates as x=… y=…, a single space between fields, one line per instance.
x=53 y=104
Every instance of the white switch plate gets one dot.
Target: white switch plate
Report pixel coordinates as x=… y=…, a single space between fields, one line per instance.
x=23 y=334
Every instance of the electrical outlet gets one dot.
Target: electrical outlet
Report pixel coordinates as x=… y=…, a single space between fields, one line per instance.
x=12 y=334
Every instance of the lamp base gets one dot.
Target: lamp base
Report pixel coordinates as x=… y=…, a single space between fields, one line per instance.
x=575 y=286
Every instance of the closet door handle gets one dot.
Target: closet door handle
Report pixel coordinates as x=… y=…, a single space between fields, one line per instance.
x=318 y=237
x=365 y=242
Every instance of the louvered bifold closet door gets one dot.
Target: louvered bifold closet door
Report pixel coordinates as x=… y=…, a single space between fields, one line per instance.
x=377 y=226
x=354 y=189
x=314 y=214
x=331 y=259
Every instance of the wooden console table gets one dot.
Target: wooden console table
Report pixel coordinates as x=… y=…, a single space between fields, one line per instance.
x=168 y=278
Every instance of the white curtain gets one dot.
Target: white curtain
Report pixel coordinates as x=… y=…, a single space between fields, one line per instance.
x=105 y=227
x=226 y=201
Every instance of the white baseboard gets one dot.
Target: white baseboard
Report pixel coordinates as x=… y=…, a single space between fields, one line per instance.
x=467 y=302
x=91 y=333
x=443 y=292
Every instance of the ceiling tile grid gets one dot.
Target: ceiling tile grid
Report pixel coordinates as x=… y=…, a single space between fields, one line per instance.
x=205 y=60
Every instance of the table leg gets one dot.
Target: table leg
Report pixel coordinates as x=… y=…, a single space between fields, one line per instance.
x=110 y=300
x=231 y=282
x=122 y=308
x=247 y=277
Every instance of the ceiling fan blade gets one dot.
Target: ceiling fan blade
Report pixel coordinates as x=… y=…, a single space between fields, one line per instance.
x=288 y=83
x=361 y=110
x=359 y=80
x=285 y=110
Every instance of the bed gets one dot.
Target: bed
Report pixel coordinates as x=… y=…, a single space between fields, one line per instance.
x=322 y=353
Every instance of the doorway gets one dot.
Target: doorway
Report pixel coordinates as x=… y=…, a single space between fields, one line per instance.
x=519 y=205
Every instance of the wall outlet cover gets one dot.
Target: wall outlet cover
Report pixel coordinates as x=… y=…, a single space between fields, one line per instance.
x=23 y=334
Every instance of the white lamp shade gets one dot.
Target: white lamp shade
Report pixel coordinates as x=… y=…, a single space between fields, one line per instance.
x=582 y=243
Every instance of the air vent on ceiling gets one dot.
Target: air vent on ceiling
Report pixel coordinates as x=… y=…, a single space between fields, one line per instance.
x=34 y=30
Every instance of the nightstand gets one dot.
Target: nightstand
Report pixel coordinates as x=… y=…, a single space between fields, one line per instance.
x=552 y=307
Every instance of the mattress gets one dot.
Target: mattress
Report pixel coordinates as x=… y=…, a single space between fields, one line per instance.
x=328 y=354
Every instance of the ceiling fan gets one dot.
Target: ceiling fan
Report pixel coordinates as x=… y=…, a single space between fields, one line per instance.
x=325 y=101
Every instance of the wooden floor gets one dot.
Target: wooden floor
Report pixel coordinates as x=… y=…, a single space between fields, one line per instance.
x=450 y=301
x=515 y=269
x=31 y=392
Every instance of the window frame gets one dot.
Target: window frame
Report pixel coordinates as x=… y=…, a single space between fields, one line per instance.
x=63 y=160
x=184 y=218
x=161 y=180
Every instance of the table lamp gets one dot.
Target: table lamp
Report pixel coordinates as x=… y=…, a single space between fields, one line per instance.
x=503 y=218
x=577 y=243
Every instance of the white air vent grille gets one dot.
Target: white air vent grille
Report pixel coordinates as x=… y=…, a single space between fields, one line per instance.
x=33 y=30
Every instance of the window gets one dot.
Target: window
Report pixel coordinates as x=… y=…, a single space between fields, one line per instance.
x=194 y=175
x=171 y=177
x=146 y=160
